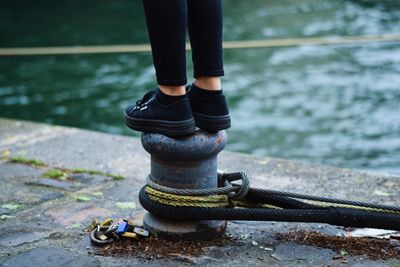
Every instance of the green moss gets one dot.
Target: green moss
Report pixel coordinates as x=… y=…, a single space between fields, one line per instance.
x=4 y=217
x=31 y=162
x=55 y=174
x=116 y=177
x=12 y=206
x=94 y=172
x=85 y=171
x=82 y=198
x=61 y=173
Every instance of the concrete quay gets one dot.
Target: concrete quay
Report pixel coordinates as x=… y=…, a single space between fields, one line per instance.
x=43 y=220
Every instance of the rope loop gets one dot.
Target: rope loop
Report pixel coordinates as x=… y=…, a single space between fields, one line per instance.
x=233 y=191
x=241 y=190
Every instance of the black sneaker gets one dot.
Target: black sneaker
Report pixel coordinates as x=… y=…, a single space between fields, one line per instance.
x=210 y=110
x=148 y=115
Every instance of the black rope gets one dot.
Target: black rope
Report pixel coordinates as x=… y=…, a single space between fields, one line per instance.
x=245 y=186
x=326 y=199
x=280 y=201
x=332 y=215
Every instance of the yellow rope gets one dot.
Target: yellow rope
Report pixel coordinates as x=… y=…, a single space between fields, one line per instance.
x=222 y=201
x=214 y=201
x=246 y=204
x=135 y=48
x=187 y=201
x=326 y=205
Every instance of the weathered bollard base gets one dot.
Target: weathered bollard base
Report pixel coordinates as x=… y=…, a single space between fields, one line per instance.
x=187 y=162
x=189 y=230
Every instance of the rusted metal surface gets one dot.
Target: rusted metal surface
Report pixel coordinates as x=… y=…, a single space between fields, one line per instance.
x=185 y=162
x=184 y=230
x=197 y=146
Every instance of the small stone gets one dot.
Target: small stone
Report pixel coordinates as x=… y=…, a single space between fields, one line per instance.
x=394 y=243
x=254 y=243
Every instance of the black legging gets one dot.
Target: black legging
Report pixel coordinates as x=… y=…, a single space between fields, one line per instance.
x=166 y=24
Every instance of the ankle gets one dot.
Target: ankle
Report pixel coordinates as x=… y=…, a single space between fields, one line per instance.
x=198 y=92
x=165 y=99
x=208 y=83
x=173 y=90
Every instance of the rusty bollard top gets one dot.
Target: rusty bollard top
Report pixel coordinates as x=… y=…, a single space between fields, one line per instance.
x=200 y=145
x=185 y=162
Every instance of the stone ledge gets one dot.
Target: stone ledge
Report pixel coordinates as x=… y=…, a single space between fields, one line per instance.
x=56 y=210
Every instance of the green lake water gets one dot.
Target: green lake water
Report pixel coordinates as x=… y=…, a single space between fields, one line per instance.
x=337 y=105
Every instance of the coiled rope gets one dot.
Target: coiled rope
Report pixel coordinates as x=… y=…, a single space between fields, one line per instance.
x=232 y=201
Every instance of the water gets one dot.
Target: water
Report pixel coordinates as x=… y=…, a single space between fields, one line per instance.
x=335 y=105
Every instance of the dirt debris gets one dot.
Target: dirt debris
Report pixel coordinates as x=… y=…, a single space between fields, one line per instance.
x=158 y=248
x=374 y=248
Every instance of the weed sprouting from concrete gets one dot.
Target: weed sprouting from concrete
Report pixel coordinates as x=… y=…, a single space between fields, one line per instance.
x=55 y=174
x=94 y=172
x=60 y=173
x=81 y=198
x=12 y=206
x=27 y=161
x=4 y=217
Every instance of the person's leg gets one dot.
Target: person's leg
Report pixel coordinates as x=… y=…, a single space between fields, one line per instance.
x=207 y=101
x=165 y=110
x=166 y=25
x=205 y=20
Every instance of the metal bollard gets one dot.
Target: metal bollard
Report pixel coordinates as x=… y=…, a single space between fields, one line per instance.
x=188 y=162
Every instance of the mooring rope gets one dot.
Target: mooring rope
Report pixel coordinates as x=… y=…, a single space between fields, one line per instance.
x=262 y=204
x=241 y=202
x=240 y=191
x=241 y=44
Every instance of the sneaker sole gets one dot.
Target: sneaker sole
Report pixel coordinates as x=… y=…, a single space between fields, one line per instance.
x=170 y=128
x=212 y=123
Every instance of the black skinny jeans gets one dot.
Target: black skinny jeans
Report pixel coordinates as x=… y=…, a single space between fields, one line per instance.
x=166 y=23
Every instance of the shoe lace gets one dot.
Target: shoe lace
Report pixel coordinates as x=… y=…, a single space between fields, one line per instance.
x=146 y=99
